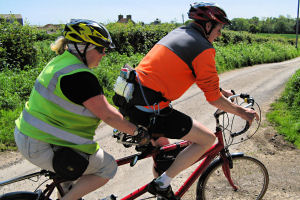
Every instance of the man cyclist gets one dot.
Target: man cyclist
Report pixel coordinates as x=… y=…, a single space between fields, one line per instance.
x=184 y=57
x=65 y=108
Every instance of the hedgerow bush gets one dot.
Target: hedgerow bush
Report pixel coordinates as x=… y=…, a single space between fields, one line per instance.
x=235 y=37
x=137 y=38
x=291 y=94
x=110 y=68
x=16 y=45
x=243 y=54
x=15 y=87
x=285 y=112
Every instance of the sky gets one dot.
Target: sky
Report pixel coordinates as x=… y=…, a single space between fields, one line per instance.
x=42 y=12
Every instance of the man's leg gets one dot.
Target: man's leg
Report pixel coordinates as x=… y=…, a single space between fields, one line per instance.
x=202 y=139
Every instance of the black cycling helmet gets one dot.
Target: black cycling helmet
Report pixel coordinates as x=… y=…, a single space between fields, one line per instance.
x=205 y=11
x=88 y=31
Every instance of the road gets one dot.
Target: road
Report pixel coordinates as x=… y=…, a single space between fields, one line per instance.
x=264 y=82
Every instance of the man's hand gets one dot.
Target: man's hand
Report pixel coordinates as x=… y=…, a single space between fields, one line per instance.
x=245 y=113
x=227 y=93
x=250 y=115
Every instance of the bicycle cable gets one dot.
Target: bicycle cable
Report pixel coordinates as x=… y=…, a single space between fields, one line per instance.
x=228 y=126
x=41 y=184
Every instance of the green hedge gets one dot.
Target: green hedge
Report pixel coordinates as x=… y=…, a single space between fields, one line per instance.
x=16 y=45
x=235 y=37
x=244 y=54
x=137 y=38
x=285 y=112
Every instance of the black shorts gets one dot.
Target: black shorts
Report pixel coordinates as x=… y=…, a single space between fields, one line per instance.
x=170 y=123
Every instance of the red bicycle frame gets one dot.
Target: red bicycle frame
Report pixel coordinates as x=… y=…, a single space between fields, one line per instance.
x=206 y=158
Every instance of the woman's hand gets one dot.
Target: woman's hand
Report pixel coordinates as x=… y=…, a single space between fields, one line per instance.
x=142 y=136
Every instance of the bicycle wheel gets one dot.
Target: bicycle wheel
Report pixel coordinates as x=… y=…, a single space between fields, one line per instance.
x=177 y=182
x=248 y=174
x=22 y=195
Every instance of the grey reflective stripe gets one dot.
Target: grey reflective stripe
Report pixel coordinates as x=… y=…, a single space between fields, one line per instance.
x=64 y=135
x=53 y=82
x=48 y=93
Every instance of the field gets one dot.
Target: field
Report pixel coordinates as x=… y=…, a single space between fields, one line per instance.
x=286 y=36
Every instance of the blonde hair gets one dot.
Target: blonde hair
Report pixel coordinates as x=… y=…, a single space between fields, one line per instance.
x=60 y=45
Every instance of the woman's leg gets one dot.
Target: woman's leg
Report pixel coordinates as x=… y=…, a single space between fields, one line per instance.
x=102 y=166
x=85 y=185
x=158 y=143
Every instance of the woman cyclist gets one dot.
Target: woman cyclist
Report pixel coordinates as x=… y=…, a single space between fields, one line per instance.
x=184 y=57
x=65 y=108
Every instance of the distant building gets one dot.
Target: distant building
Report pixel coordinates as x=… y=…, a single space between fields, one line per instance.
x=157 y=21
x=11 y=17
x=125 y=20
x=51 y=28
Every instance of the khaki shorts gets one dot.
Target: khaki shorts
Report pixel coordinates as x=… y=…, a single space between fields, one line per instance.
x=40 y=153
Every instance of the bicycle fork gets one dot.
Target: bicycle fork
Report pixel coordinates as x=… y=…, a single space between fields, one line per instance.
x=226 y=166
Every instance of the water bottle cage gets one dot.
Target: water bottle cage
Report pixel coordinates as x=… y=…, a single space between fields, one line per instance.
x=124 y=85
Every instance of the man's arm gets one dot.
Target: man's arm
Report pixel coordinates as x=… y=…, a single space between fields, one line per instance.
x=245 y=113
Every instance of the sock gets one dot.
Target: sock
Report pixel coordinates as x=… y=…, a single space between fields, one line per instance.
x=163 y=181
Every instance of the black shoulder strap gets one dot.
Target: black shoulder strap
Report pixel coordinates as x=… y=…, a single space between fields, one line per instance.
x=193 y=71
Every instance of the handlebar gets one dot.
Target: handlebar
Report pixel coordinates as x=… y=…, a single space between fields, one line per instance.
x=250 y=103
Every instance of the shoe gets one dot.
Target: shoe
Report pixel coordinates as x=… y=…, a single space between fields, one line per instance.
x=160 y=198
x=164 y=193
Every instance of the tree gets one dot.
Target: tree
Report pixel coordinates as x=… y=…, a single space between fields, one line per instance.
x=240 y=24
x=267 y=25
x=281 y=24
x=254 y=28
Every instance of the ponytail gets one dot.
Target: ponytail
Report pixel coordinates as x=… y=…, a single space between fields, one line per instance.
x=60 y=45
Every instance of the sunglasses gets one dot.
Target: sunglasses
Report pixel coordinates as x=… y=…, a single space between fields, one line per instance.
x=100 y=50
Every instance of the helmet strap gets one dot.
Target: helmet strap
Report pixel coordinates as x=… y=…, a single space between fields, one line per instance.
x=202 y=26
x=82 y=55
x=213 y=25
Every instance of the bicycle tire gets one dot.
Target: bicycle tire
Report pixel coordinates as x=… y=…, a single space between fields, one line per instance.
x=22 y=195
x=249 y=174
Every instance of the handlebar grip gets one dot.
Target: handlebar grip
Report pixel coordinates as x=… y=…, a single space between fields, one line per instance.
x=247 y=126
x=244 y=96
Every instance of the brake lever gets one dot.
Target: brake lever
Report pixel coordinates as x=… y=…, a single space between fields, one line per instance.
x=148 y=149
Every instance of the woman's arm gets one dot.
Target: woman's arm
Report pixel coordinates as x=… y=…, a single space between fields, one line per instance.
x=100 y=107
